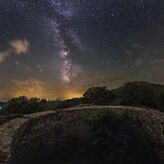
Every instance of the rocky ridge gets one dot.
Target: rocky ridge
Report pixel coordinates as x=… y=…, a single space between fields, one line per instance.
x=14 y=133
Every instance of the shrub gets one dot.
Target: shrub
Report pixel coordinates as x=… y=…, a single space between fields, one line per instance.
x=160 y=102
x=140 y=94
x=98 y=96
x=116 y=138
x=23 y=105
x=69 y=103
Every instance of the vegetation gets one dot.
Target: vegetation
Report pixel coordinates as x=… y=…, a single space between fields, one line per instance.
x=95 y=96
x=69 y=103
x=103 y=136
x=100 y=136
x=98 y=96
x=116 y=138
x=23 y=105
x=143 y=94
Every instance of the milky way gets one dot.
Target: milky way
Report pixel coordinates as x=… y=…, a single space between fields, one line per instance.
x=59 y=48
x=68 y=71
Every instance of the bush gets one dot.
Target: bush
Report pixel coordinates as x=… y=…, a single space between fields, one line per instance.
x=69 y=103
x=98 y=96
x=143 y=94
x=160 y=102
x=23 y=105
x=139 y=94
x=117 y=138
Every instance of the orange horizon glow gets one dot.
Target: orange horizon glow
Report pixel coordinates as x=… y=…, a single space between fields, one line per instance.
x=67 y=95
x=33 y=87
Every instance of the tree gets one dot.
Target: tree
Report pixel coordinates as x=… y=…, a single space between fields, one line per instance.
x=98 y=96
x=139 y=94
x=23 y=105
x=160 y=102
x=69 y=103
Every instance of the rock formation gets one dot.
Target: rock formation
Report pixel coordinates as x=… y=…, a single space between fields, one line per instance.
x=27 y=138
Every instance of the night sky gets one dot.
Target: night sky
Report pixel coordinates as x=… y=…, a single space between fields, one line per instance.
x=58 y=48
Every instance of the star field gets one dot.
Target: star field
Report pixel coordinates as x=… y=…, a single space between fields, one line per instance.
x=58 y=48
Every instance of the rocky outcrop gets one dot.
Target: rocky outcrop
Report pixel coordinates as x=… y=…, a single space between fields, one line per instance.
x=4 y=119
x=8 y=130
x=27 y=137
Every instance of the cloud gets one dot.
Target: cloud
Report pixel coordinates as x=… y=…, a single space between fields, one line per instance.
x=139 y=62
x=17 y=62
x=129 y=52
x=20 y=46
x=27 y=68
x=135 y=45
x=76 y=71
x=3 y=55
x=31 y=87
x=40 y=68
x=159 y=61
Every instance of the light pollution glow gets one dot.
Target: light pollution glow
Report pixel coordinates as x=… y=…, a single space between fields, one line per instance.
x=57 y=49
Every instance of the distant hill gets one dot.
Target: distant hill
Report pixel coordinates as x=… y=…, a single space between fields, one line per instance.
x=140 y=93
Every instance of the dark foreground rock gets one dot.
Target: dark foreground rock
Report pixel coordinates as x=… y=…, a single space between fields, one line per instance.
x=84 y=135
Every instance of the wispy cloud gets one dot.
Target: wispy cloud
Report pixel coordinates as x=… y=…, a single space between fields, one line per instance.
x=129 y=52
x=17 y=46
x=135 y=45
x=139 y=62
x=159 y=61
x=17 y=62
x=3 y=55
x=40 y=68
x=20 y=46
x=31 y=87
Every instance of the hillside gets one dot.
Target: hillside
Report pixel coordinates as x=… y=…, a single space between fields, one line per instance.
x=140 y=93
x=84 y=135
x=137 y=93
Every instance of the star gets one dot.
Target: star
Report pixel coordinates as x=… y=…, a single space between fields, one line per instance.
x=58 y=45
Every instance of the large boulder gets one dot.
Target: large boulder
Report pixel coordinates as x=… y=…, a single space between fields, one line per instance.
x=84 y=135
